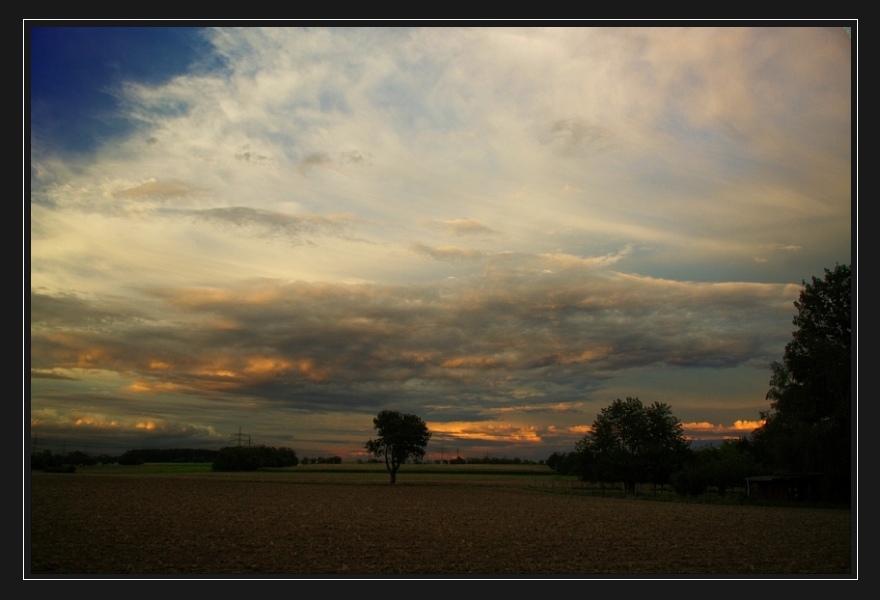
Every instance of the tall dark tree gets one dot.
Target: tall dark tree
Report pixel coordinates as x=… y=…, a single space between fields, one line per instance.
x=633 y=443
x=399 y=437
x=665 y=448
x=809 y=425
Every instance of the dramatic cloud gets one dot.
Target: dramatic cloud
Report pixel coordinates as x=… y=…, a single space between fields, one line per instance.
x=499 y=229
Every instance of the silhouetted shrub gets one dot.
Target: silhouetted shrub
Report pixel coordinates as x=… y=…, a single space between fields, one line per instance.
x=690 y=481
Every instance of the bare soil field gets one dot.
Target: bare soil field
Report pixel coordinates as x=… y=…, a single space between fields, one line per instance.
x=286 y=524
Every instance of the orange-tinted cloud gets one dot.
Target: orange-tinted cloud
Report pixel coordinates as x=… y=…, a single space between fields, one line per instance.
x=487 y=431
x=703 y=429
x=262 y=366
x=469 y=362
x=153 y=387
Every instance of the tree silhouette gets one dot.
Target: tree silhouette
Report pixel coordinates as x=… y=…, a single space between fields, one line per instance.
x=633 y=443
x=400 y=437
x=809 y=424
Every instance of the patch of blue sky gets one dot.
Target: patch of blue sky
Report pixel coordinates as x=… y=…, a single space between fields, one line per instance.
x=77 y=75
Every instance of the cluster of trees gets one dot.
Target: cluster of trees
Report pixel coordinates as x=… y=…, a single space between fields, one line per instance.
x=633 y=443
x=629 y=443
x=722 y=468
x=251 y=458
x=807 y=429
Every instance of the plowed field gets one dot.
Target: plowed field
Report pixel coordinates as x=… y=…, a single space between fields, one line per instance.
x=278 y=524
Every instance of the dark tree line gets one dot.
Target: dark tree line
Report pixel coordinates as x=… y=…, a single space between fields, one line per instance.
x=252 y=458
x=163 y=455
x=723 y=468
x=78 y=458
x=233 y=458
x=807 y=430
x=46 y=460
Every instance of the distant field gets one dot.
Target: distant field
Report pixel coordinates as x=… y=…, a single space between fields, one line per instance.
x=355 y=473
x=147 y=468
x=327 y=520
x=376 y=468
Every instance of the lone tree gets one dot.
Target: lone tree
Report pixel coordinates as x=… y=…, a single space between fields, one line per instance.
x=400 y=437
x=809 y=425
x=633 y=443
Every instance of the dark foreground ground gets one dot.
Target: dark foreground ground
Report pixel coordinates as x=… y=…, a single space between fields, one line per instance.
x=279 y=524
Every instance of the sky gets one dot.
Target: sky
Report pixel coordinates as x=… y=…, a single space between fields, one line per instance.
x=272 y=234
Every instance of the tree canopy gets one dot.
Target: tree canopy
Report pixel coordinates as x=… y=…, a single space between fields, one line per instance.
x=808 y=427
x=633 y=443
x=399 y=437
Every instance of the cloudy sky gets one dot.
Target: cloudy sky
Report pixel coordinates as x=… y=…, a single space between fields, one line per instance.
x=282 y=231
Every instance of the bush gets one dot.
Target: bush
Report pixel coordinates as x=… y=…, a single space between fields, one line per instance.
x=689 y=482
x=566 y=463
